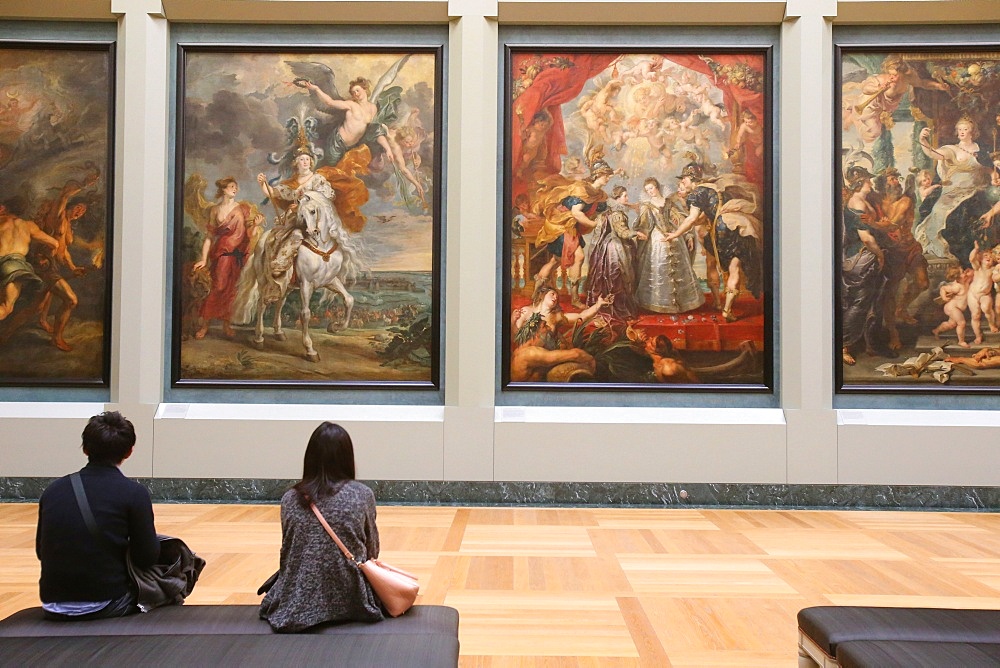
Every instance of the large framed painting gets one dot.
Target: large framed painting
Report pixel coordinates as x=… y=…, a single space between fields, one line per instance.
x=918 y=220
x=638 y=225
x=56 y=188
x=308 y=217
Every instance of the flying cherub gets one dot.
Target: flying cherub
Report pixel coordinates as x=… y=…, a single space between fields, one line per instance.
x=361 y=119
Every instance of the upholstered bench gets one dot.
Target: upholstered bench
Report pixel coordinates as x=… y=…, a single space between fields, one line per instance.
x=427 y=635
x=823 y=628
x=911 y=654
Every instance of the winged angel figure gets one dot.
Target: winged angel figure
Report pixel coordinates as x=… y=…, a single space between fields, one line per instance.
x=361 y=119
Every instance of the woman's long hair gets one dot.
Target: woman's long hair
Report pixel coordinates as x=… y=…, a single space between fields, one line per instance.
x=328 y=463
x=222 y=184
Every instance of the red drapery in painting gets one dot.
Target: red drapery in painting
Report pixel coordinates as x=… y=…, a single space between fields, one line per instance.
x=548 y=81
x=561 y=78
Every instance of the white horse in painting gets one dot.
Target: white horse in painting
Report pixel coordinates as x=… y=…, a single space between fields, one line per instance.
x=325 y=257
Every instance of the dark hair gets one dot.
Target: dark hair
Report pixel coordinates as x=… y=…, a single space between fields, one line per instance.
x=542 y=288
x=108 y=438
x=12 y=204
x=663 y=346
x=328 y=463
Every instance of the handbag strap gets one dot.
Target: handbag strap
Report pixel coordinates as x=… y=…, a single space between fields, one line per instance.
x=88 y=515
x=333 y=535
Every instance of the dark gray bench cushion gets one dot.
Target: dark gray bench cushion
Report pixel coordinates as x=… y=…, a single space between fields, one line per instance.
x=222 y=620
x=910 y=654
x=346 y=649
x=829 y=625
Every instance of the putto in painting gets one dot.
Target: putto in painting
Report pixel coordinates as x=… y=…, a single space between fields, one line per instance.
x=56 y=106
x=308 y=218
x=638 y=226
x=919 y=230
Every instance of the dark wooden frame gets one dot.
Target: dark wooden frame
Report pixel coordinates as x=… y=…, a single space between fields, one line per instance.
x=108 y=48
x=768 y=207
x=176 y=378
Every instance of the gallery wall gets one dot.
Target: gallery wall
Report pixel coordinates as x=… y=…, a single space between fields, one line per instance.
x=470 y=430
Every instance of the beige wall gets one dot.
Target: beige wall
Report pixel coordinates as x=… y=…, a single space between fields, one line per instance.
x=470 y=438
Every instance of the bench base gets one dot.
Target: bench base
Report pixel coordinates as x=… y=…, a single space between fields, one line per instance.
x=387 y=651
x=911 y=654
x=229 y=635
x=823 y=628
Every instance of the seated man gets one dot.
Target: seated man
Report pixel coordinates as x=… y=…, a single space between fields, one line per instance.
x=83 y=577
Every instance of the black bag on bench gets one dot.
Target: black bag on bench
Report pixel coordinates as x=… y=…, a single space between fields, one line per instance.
x=169 y=581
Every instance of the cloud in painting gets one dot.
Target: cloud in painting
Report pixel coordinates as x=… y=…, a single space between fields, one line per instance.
x=230 y=125
x=235 y=111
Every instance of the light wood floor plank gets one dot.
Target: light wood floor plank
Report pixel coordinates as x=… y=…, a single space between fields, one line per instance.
x=527 y=539
x=467 y=661
x=456 y=531
x=706 y=575
x=605 y=587
x=647 y=644
x=984 y=571
x=809 y=543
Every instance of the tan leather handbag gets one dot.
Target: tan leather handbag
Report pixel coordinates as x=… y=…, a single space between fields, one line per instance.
x=395 y=588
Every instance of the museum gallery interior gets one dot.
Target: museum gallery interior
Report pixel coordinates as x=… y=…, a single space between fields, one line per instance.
x=665 y=332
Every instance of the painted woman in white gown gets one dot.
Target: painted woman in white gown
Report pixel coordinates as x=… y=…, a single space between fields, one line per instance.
x=962 y=175
x=666 y=279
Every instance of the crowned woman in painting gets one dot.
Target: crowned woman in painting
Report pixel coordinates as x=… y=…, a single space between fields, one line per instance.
x=666 y=279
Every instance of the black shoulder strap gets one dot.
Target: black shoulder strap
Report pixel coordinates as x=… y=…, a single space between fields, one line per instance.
x=88 y=515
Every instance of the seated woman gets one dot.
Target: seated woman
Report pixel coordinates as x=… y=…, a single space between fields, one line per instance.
x=316 y=583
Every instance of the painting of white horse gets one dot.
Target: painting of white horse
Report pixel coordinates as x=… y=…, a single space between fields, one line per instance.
x=308 y=197
x=325 y=257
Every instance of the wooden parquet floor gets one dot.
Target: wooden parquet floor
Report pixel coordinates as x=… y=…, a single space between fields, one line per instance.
x=602 y=586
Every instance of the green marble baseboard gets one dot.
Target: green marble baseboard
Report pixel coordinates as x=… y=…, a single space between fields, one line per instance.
x=662 y=495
